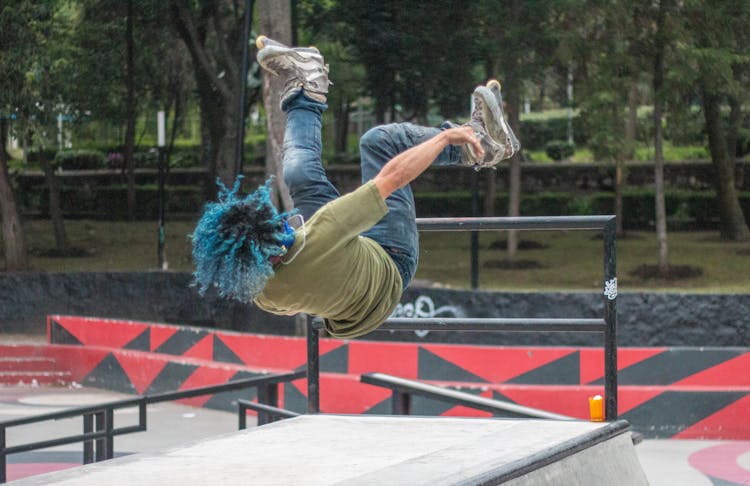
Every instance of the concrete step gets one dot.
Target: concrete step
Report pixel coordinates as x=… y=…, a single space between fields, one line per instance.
x=27 y=363
x=35 y=377
x=11 y=350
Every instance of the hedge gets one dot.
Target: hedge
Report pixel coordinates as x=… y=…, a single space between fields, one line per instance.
x=110 y=202
x=694 y=209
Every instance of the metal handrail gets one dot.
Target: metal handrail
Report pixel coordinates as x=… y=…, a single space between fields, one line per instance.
x=607 y=325
x=515 y=223
x=267 y=410
x=487 y=324
x=403 y=388
x=98 y=419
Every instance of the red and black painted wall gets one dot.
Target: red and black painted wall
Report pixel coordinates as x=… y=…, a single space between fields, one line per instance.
x=676 y=392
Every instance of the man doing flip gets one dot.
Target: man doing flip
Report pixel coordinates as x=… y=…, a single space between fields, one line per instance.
x=351 y=256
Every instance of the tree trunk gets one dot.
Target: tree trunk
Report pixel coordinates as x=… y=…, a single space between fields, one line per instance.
x=514 y=175
x=490 y=194
x=55 y=208
x=275 y=21
x=343 y=111
x=732 y=223
x=514 y=113
x=217 y=80
x=619 y=176
x=13 y=236
x=631 y=126
x=658 y=81
x=130 y=109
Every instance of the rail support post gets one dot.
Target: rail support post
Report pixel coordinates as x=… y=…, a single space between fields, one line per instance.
x=268 y=395
x=400 y=403
x=610 y=318
x=88 y=446
x=313 y=366
x=100 y=424
x=3 y=462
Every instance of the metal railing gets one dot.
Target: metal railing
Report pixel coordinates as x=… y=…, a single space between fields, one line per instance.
x=98 y=420
x=403 y=389
x=270 y=413
x=606 y=325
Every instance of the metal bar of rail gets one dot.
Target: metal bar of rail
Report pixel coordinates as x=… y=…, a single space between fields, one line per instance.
x=515 y=223
x=606 y=325
x=469 y=324
x=98 y=419
x=268 y=410
x=408 y=387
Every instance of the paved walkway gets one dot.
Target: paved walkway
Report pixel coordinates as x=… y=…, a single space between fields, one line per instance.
x=665 y=462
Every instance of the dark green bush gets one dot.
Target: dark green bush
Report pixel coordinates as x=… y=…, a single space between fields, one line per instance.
x=34 y=156
x=433 y=204
x=743 y=142
x=80 y=160
x=536 y=133
x=695 y=208
x=111 y=200
x=559 y=149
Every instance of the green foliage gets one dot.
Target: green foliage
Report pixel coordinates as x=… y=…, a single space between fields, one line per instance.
x=109 y=202
x=673 y=153
x=34 y=157
x=694 y=209
x=743 y=142
x=389 y=40
x=79 y=160
x=559 y=149
x=537 y=132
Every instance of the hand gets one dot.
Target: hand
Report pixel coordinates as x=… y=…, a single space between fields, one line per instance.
x=464 y=135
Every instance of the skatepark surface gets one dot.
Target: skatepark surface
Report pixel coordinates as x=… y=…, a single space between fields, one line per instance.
x=204 y=443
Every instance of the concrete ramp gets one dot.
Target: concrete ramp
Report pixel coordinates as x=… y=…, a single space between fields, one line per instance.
x=382 y=450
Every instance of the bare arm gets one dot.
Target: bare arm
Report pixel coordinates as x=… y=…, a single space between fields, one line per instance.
x=406 y=166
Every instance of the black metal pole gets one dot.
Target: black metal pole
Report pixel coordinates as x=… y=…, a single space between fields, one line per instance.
x=101 y=444
x=3 y=462
x=313 y=367
x=88 y=446
x=242 y=416
x=610 y=318
x=161 y=257
x=268 y=394
x=110 y=427
x=243 y=87
x=400 y=403
x=474 y=234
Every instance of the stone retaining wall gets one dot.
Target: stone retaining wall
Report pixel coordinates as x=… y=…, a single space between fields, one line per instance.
x=645 y=319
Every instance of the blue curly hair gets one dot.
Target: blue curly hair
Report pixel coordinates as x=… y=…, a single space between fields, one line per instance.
x=234 y=241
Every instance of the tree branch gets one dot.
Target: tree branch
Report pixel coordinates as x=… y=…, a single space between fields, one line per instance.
x=182 y=21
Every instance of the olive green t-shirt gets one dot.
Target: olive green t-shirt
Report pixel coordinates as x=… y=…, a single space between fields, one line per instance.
x=333 y=272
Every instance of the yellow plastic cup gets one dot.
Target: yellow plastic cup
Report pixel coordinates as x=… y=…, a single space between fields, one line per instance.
x=596 y=408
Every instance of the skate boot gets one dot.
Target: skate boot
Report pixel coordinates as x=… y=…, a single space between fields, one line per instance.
x=303 y=67
x=485 y=120
x=505 y=135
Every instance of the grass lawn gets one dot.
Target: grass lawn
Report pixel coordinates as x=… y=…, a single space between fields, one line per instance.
x=566 y=261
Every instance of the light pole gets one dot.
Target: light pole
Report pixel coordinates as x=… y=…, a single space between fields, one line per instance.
x=240 y=147
x=161 y=142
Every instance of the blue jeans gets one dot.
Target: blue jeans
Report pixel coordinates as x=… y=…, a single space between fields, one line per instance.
x=310 y=188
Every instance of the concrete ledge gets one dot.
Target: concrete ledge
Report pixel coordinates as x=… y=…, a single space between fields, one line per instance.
x=329 y=449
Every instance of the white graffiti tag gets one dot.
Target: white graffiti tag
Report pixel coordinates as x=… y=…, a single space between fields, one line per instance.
x=424 y=307
x=610 y=288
